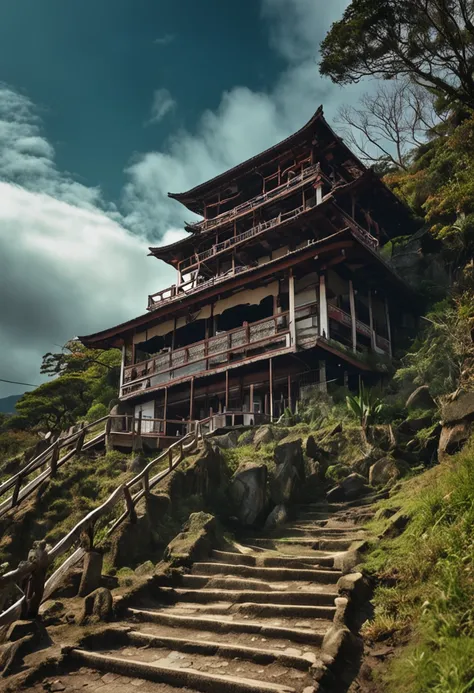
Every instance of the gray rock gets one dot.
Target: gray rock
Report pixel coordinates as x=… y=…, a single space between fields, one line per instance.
x=354 y=586
x=387 y=472
x=453 y=437
x=421 y=399
x=288 y=478
x=248 y=490
x=137 y=464
x=354 y=486
x=195 y=542
x=227 y=441
x=146 y=568
x=413 y=425
x=336 y=494
x=460 y=409
x=277 y=517
x=315 y=451
x=263 y=435
x=396 y=526
x=98 y=607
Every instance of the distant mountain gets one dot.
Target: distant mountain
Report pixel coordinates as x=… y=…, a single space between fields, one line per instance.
x=7 y=404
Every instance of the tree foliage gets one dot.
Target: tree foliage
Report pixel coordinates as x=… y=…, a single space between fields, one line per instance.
x=429 y=41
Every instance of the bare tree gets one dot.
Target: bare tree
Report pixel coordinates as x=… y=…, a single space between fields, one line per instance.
x=389 y=123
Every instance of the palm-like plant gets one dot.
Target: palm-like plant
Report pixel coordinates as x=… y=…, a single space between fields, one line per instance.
x=365 y=406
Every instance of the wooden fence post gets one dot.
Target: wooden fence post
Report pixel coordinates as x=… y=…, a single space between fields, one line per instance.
x=129 y=504
x=54 y=459
x=16 y=491
x=81 y=438
x=146 y=483
x=170 y=458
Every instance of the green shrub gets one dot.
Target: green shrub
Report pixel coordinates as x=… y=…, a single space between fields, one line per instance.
x=96 y=411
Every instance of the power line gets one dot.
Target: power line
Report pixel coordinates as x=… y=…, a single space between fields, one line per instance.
x=15 y=382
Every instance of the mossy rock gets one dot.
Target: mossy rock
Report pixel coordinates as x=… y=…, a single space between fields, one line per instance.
x=199 y=536
x=337 y=472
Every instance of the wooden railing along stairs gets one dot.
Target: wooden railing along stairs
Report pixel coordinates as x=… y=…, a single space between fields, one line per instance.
x=30 y=575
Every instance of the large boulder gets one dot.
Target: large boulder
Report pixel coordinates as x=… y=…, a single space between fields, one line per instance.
x=277 y=517
x=387 y=472
x=203 y=478
x=98 y=607
x=288 y=478
x=263 y=436
x=458 y=424
x=195 y=542
x=227 y=441
x=459 y=409
x=420 y=399
x=354 y=486
x=453 y=437
x=248 y=492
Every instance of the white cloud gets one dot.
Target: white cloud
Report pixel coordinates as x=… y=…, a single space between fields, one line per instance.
x=245 y=122
x=163 y=103
x=67 y=265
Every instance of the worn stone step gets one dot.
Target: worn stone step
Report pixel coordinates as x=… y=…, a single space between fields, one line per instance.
x=179 y=677
x=267 y=573
x=312 y=543
x=274 y=597
x=240 y=583
x=316 y=533
x=164 y=617
x=211 y=648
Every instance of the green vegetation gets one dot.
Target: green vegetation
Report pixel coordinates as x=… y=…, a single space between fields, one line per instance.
x=365 y=406
x=425 y=599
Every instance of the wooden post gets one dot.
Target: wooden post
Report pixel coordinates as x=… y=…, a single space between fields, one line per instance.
x=353 y=315
x=290 y=403
x=170 y=458
x=371 y=322
x=389 y=329
x=251 y=398
x=16 y=491
x=323 y=308
x=226 y=390
x=165 y=411
x=191 y=400
x=323 y=386
x=291 y=289
x=146 y=482
x=270 y=375
x=130 y=505
x=122 y=368
x=54 y=459
x=81 y=438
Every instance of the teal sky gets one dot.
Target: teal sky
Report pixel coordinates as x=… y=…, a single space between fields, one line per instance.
x=92 y=67
x=105 y=107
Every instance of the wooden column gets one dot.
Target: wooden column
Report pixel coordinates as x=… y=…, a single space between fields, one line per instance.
x=323 y=308
x=191 y=400
x=323 y=386
x=270 y=374
x=165 y=410
x=353 y=315
x=290 y=403
x=122 y=368
x=389 y=329
x=251 y=399
x=292 y=321
x=226 y=390
x=371 y=322
x=319 y=194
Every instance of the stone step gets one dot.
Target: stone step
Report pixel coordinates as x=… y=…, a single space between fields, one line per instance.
x=236 y=582
x=211 y=648
x=313 y=636
x=315 y=544
x=278 y=574
x=179 y=677
x=323 y=534
x=234 y=596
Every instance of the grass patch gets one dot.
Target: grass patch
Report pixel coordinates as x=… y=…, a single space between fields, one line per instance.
x=427 y=581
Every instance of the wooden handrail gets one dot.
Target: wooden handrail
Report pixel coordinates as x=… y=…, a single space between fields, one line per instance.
x=205 y=344
x=124 y=491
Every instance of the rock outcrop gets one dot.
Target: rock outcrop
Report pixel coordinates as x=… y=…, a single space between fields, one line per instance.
x=248 y=493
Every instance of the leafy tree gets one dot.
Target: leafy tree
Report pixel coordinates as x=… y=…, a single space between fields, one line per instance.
x=54 y=405
x=430 y=42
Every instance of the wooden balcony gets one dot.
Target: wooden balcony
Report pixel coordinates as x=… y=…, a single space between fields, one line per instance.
x=241 y=344
x=250 y=205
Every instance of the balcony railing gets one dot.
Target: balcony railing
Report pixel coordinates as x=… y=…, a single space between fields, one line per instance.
x=344 y=318
x=219 y=248
x=207 y=355
x=250 y=205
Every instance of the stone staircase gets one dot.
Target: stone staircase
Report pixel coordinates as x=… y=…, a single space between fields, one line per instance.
x=247 y=620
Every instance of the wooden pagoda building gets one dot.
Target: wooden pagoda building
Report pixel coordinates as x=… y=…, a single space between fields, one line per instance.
x=282 y=285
